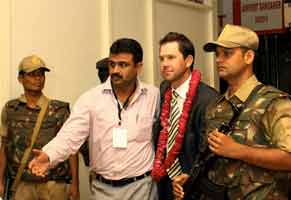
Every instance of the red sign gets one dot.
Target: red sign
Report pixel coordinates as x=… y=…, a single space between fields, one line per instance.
x=263 y=16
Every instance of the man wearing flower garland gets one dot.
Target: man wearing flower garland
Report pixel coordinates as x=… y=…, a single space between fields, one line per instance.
x=184 y=99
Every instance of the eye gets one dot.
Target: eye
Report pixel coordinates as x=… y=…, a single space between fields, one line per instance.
x=171 y=57
x=123 y=64
x=37 y=73
x=227 y=52
x=111 y=64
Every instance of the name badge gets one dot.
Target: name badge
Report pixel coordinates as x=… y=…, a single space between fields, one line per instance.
x=119 y=139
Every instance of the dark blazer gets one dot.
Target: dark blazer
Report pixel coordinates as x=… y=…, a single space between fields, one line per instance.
x=195 y=131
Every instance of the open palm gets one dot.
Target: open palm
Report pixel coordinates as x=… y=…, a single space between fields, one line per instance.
x=39 y=165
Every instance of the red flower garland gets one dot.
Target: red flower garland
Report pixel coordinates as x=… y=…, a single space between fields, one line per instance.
x=161 y=164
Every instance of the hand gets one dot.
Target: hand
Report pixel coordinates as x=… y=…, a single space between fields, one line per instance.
x=74 y=192
x=224 y=145
x=177 y=184
x=40 y=163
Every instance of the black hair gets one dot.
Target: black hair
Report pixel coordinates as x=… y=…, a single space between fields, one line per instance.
x=103 y=70
x=21 y=73
x=186 y=47
x=127 y=45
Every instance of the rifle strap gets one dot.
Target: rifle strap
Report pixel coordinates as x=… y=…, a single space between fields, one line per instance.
x=27 y=151
x=252 y=94
x=245 y=104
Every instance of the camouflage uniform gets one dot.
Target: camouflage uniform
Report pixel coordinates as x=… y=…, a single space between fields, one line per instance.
x=264 y=123
x=18 y=122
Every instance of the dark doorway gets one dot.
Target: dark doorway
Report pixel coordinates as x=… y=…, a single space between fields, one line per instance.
x=273 y=62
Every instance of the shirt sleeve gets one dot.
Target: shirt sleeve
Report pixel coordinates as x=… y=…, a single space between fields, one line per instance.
x=277 y=119
x=71 y=136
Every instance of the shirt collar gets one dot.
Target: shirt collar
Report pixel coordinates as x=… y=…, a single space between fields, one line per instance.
x=39 y=103
x=183 y=88
x=140 y=87
x=244 y=91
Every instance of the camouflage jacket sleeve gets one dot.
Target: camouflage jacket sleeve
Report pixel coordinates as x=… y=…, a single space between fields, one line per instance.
x=277 y=120
x=3 y=127
x=62 y=112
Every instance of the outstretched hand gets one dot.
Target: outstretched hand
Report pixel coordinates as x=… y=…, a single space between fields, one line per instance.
x=39 y=165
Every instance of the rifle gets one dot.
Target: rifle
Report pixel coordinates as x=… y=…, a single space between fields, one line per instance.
x=7 y=187
x=198 y=183
x=199 y=172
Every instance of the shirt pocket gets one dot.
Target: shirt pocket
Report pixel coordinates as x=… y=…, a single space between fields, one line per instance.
x=144 y=129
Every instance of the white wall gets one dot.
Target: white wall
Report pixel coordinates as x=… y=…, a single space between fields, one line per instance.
x=5 y=50
x=133 y=18
x=64 y=34
x=71 y=35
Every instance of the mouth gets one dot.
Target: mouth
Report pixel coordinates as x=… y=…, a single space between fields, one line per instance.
x=38 y=85
x=166 y=72
x=116 y=78
x=220 y=68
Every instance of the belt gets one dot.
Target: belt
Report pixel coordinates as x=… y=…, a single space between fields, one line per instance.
x=121 y=182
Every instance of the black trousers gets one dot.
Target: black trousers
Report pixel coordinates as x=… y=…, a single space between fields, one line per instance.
x=165 y=189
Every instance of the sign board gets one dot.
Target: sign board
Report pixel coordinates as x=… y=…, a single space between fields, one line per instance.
x=263 y=16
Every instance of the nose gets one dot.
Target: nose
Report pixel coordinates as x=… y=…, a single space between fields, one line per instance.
x=38 y=77
x=163 y=63
x=219 y=58
x=115 y=69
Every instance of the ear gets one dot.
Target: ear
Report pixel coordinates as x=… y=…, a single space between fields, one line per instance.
x=139 y=67
x=249 y=56
x=189 y=60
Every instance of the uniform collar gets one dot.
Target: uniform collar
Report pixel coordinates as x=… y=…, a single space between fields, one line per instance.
x=39 y=103
x=244 y=91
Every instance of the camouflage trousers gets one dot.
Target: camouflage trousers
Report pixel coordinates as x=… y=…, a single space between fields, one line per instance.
x=50 y=190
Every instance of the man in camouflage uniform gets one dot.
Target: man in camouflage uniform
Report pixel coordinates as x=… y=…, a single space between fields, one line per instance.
x=255 y=155
x=18 y=121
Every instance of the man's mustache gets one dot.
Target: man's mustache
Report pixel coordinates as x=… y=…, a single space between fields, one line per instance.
x=116 y=76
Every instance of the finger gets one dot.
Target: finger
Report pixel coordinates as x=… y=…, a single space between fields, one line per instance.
x=41 y=173
x=31 y=164
x=178 y=191
x=33 y=169
x=215 y=150
x=219 y=134
x=214 y=138
x=177 y=180
x=212 y=142
x=36 y=152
